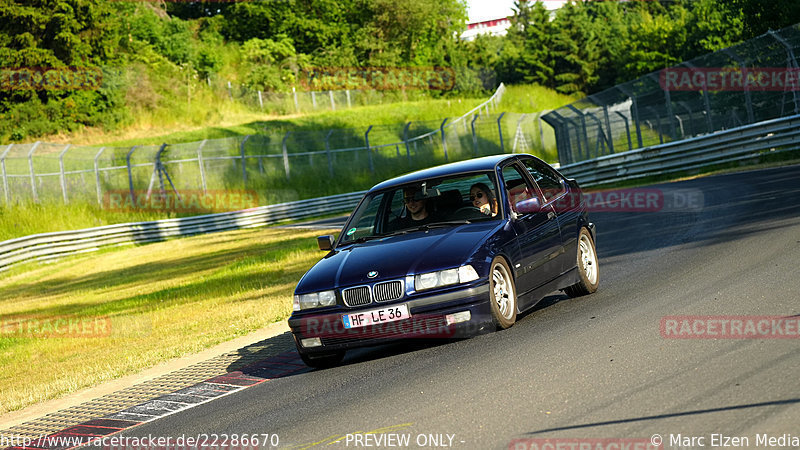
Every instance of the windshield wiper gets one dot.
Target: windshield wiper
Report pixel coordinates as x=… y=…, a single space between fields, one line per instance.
x=424 y=227
x=363 y=239
x=447 y=223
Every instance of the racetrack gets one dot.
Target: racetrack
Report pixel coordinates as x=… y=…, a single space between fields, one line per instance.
x=592 y=367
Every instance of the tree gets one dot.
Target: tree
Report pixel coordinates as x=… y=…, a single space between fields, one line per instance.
x=74 y=36
x=529 y=56
x=576 y=50
x=658 y=40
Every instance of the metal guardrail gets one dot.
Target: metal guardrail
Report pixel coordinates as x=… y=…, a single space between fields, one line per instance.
x=745 y=142
x=49 y=246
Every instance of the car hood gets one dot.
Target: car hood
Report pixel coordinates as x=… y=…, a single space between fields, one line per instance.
x=395 y=257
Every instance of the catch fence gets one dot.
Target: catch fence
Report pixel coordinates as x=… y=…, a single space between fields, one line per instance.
x=748 y=83
x=280 y=166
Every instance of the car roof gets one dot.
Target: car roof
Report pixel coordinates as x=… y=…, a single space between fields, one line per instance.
x=471 y=165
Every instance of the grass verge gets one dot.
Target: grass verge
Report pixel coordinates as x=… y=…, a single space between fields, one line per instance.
x=157 y=302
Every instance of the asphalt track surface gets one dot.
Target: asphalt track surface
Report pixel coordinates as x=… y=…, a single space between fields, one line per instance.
x=589 y=368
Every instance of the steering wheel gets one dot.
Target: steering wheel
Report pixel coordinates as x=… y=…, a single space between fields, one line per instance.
x=467 y=212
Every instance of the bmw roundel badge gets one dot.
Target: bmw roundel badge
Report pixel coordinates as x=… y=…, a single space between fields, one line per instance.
x=372 y=274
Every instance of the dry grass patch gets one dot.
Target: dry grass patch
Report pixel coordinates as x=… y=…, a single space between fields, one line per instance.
x=158 y=301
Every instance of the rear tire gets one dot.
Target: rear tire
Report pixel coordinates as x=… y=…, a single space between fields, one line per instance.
x=324 y=360
x=588 y=268
x=503 y=294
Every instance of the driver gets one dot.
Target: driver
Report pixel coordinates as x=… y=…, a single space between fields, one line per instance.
x=416 y=208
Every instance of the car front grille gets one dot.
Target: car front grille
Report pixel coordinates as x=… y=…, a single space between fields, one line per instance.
x=389 y=290
x=357 y=296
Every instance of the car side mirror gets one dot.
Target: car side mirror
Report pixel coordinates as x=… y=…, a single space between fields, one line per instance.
x=529 y=206
x=325 y=242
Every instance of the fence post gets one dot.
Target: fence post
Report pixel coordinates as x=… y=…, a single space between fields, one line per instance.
x=474 y=136
x=260 y=101
x=244 y=160
x=33 y=175
x=748 y=101
x=706 y=102
x=582 y=129
x=130 y=173
x=673 y=133
x=333 y=103
x=328 y=152
x=500 y=131
x=444 y=140
x=405 y=140
x=628 y=129
x=658 y=123
x=5 y=176
x=791 y=61
x=97 y=177
x=314 y=99
x=63 y=177
x=634 y=114
x=202 y=166
x=541 y=129
x=348 y=99
x=230 y=91
x=369 y=150
x=691 y=119
x=518 y=133
x=608 y=127
x=285 y=154
x=296 y=104
x=160 y=170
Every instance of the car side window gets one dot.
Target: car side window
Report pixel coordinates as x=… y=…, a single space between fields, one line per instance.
x=548 y=180
x=517 y=187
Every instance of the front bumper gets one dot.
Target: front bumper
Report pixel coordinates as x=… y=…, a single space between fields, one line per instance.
x=427 y=321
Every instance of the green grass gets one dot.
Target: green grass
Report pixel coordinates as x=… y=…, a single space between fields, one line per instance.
x=310 y=176
x=359 y=117
x=229 y=284
x=532 y=98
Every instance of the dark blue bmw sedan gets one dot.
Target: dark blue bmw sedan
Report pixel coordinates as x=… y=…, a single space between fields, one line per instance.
x=449 y=251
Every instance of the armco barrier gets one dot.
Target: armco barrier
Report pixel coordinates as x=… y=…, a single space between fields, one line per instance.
x=54 y=245
x=745 y=142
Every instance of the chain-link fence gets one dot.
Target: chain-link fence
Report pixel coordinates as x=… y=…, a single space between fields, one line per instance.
x=751 y=82
x=280 y=167
x=299 y=101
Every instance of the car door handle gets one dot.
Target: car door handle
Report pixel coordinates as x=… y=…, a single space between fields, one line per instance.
x=550 y=215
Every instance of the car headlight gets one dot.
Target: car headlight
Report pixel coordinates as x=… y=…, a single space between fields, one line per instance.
x=430 y=280
x=314 y=300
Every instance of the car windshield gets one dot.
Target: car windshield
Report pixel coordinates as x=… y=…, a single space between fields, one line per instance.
x=448 y=201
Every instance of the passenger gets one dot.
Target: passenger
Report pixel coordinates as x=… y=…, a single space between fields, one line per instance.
x=416 y=208
x=482 y=198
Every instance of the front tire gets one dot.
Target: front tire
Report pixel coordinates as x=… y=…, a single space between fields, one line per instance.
x=588 y=268
x=503 y=294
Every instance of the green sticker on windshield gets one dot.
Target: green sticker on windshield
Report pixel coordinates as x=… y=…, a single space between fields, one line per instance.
x=351 y=231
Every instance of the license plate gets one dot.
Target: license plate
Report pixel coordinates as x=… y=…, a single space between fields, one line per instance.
x=384 y=315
